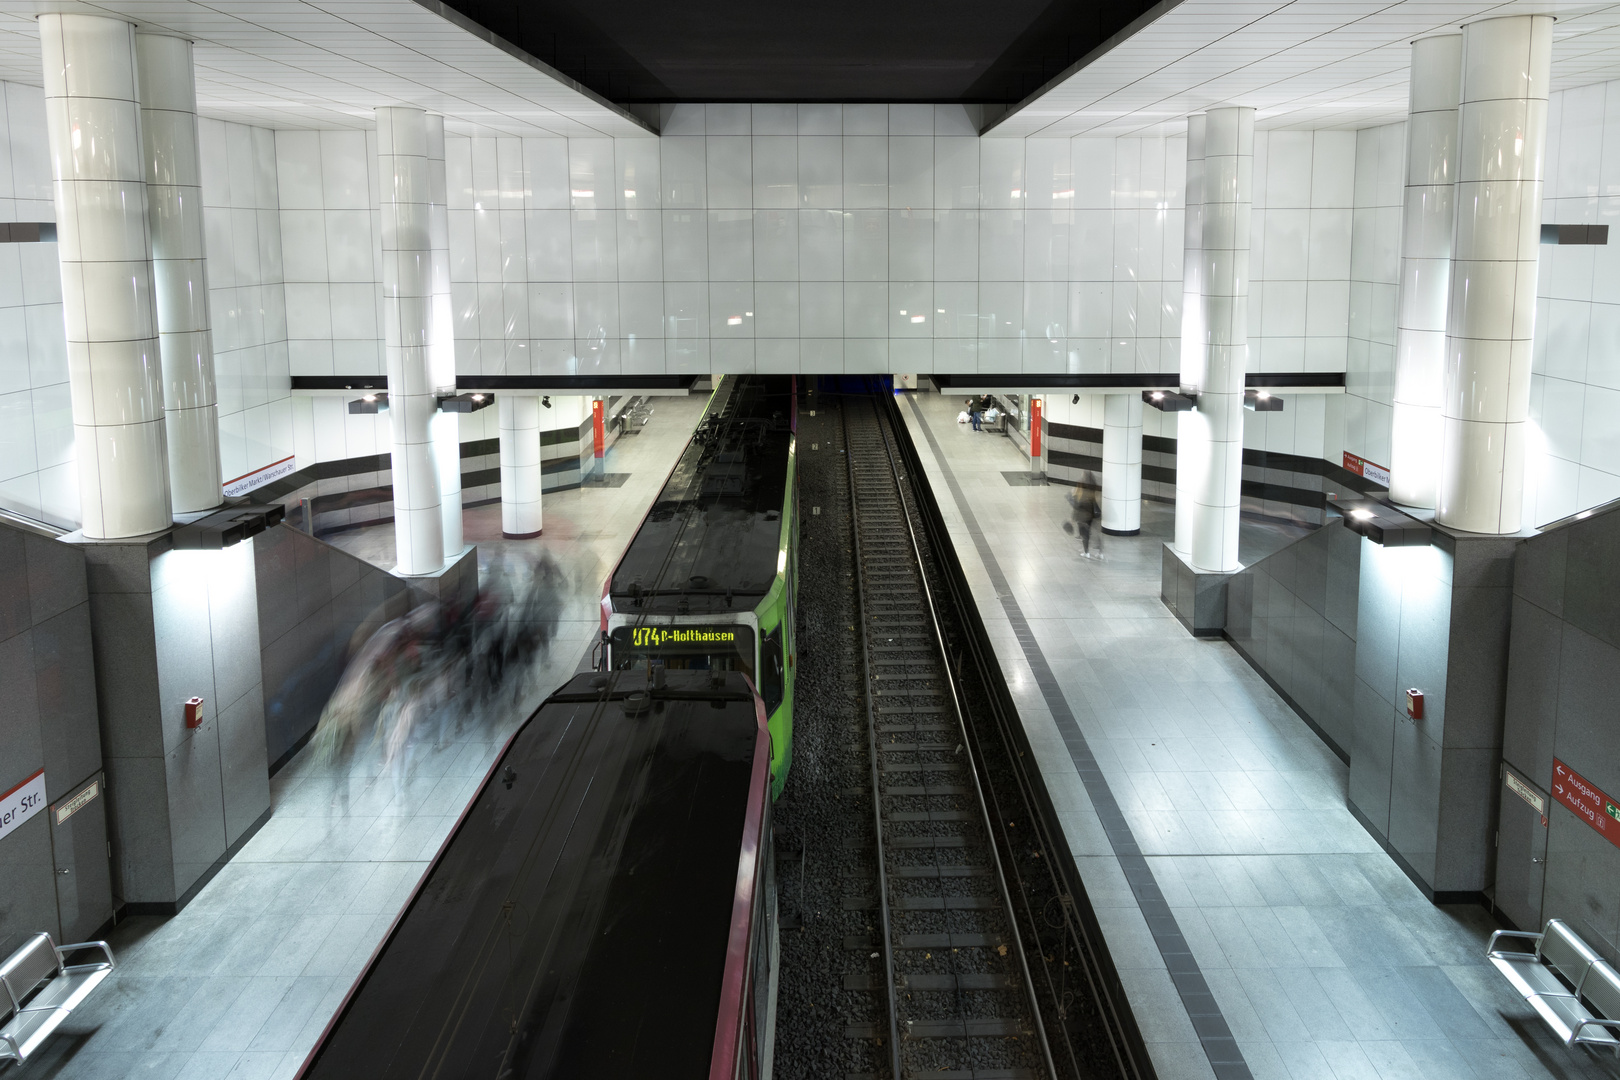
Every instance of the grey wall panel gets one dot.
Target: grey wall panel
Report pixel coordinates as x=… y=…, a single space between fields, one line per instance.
x=242 y=761
x=233 y=625
x=196 y=806
x=1592 y=577
x=1343 y=580
x=1414 y=799
x=1586 y=734
x=64 y=675
x=1424 y=648
x=316 y=604
x=1468 y=782
x=1583 y=881
x=22 y=745
x=1531 y=702
x=1538 y=571
x=28 y=900
x=184 y=641
x=1339 y=686
x=56 y=577
x=1378 y=615
x=126 y=671
x=1371 y=749
x=14 y=601
x=1476 y=682
x=138 y=812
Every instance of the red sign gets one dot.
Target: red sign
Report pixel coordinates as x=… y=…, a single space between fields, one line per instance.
x=598 y=434
x=1589 y=803
x=1362 y=467
x=1035 y=429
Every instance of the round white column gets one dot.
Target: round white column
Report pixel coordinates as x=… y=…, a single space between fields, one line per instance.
x=1420 y=337
x=407 y=253
x=174 y=204
x=115 y=382
x=1506 y=65
x=1122 y=464
x=1189 y=426
x=520 y=466
x=442 y=350
x=1218 y=476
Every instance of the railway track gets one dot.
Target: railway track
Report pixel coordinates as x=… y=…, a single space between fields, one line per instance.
x=955 y=988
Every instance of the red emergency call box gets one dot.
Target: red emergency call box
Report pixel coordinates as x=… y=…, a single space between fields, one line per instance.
x=1414 y=704
x=194 y=712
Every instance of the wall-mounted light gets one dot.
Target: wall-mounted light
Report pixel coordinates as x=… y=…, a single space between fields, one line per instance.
x=1170 y=400
x=1262 y=401
x=1385 y=525
x=546 y=401
x=369 y=403
x=227 y=527
x=1075 y=400
x=465 y=403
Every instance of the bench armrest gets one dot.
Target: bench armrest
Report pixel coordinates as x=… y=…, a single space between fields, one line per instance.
x=10 y=1048
x=1574 y=1035
x=1490 y=946
x=63 y=950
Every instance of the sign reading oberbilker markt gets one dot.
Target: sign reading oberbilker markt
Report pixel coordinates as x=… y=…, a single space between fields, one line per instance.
x=1587 y=801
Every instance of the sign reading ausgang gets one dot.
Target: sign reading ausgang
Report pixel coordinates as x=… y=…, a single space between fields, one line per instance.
x=22 y=802
x=1588 y=802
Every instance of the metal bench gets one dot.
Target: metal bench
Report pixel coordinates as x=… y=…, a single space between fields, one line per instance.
x=39 y=965
x=1560 y=978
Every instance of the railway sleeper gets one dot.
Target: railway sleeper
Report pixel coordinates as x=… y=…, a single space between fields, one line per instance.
x=930 y=815
x=947 y=981
x=941 y=1029
x=929 y=941
x=960 y=1074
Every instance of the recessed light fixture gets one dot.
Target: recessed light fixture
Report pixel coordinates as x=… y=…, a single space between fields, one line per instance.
x=735 y=320
x=1261 y=401
x=1170 y=401
x=917 y=318
x=1385 y=525
x=465 y=403
x=580 y=194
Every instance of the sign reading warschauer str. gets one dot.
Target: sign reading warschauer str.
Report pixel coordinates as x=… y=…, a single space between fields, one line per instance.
x=22 y=802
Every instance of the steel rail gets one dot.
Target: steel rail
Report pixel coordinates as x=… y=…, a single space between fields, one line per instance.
x=969 y=744
x=872 y=751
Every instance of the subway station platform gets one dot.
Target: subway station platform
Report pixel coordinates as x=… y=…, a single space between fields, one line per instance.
x=1228 y=870
x=242 y=981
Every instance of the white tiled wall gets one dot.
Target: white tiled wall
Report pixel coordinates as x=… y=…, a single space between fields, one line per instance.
x=1365 y=412
x=37 y=476
x=249 y=312
x=1575 y=385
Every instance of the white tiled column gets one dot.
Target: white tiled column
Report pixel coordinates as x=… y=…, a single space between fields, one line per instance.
x=1506 y=65
x=114 y=369
x=407 y=253
x=168 y=93
x=1420 y=340
x=520 y=466
x=1122 y=464
x=1189 y=426
x=442 y=347
x=1217 y=481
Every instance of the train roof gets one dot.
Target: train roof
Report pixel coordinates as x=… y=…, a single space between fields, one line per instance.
x=576 y=923
x=709 y=544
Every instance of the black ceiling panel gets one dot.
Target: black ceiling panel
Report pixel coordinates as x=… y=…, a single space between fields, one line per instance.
x=969 y=51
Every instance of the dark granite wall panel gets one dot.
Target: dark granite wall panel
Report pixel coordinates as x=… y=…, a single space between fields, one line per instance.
x=49 y=721
x=317 y=603
x=1563 y=700
x=1293 y=617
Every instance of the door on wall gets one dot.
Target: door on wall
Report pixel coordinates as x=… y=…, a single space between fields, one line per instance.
x=83 y=868
x=1521 y=849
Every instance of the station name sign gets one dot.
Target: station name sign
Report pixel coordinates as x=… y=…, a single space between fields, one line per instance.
x=1587 y=800
x=22 y=802
x=681 y=638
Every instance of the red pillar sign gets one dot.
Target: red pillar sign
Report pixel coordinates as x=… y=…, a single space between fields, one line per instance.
x=1587 y=801
x=1034 y=429
x=598 y=434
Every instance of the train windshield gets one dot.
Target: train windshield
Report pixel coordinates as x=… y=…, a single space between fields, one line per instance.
x=686 y=647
